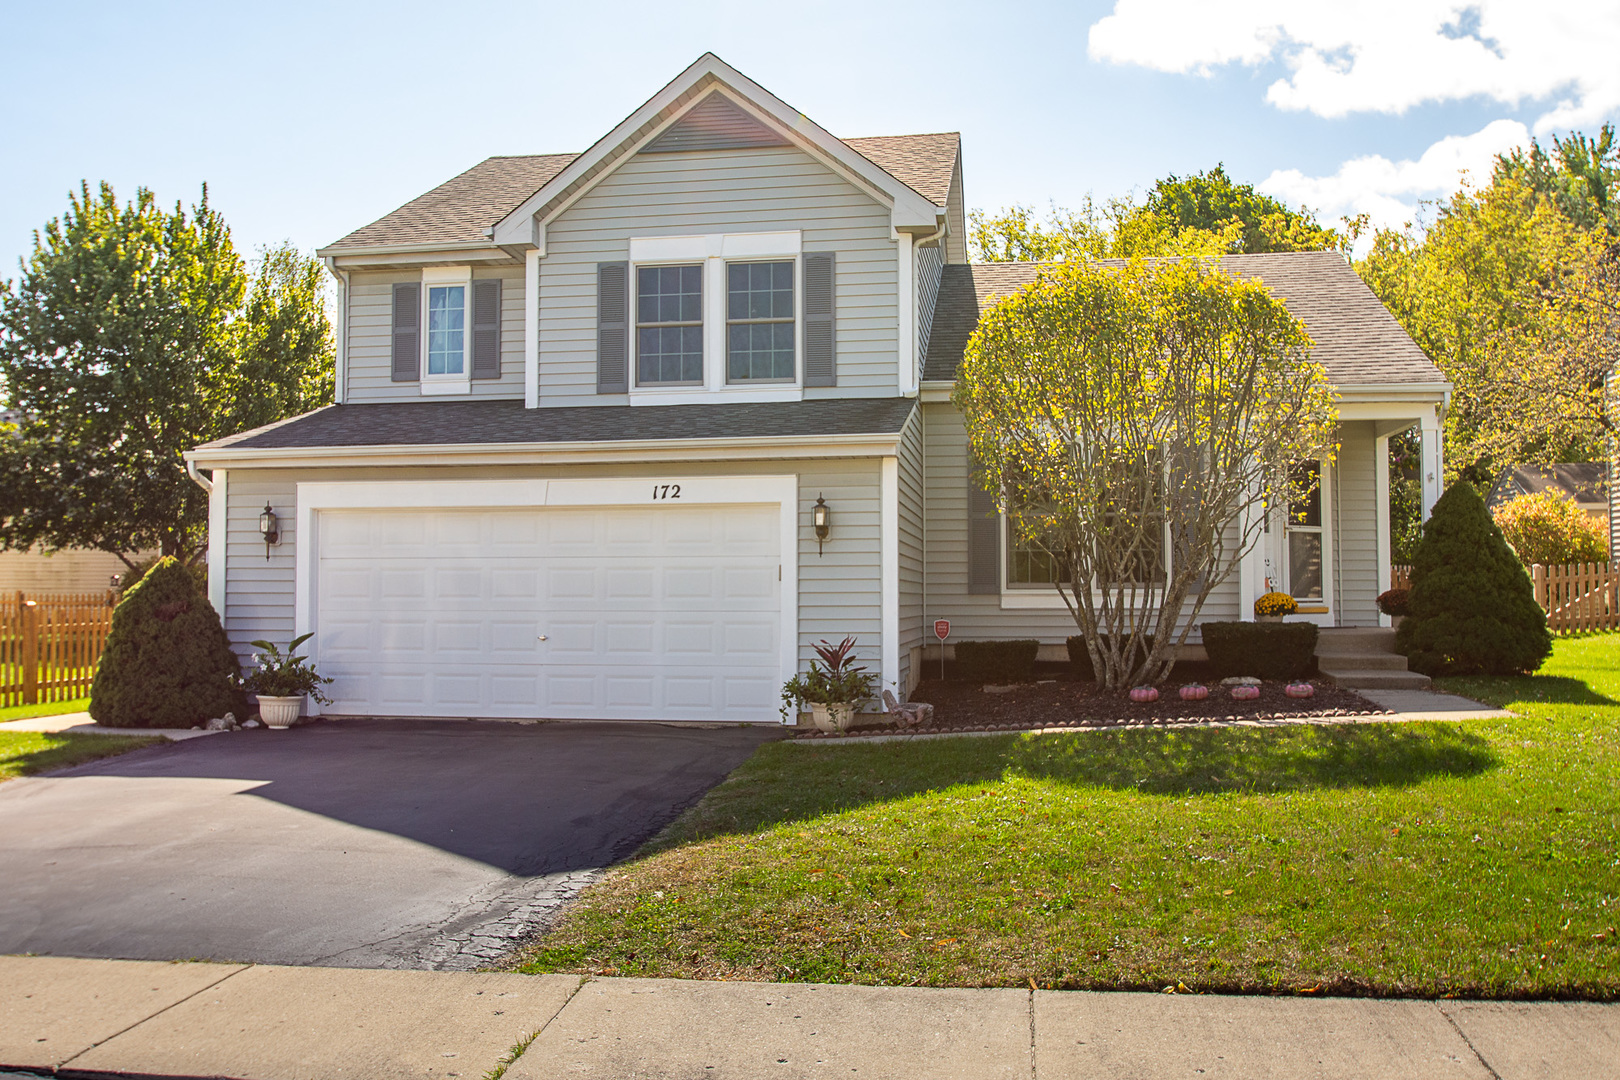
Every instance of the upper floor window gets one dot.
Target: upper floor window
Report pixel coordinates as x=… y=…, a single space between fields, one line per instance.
x=669 y=325
x=759 y=322
x=446 y=326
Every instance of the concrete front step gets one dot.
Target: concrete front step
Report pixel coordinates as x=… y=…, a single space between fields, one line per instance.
x=1361 y=661
x=1363 y=679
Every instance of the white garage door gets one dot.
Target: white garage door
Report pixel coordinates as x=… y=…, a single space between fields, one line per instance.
x=657 y=614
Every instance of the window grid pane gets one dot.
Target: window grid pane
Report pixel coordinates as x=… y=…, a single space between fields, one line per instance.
x=759 y=313
x=447 y=308
x=669 y=319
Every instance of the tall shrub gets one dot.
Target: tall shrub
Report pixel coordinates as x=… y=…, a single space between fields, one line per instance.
x=1472 y=609
x=167 y=661
x=1547 y=527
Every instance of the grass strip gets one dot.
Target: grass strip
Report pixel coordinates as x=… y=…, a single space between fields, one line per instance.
x=24 y=753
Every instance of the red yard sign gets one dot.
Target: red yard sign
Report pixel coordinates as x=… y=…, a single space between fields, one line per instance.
x=942 y=628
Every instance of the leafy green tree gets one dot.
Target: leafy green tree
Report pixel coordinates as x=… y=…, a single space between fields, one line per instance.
x=1210 y=201
x=130 y=336
x=1132 y=421
x=1581 y=176
x=1549 y=528
x=167 y=662
x=1472 y=609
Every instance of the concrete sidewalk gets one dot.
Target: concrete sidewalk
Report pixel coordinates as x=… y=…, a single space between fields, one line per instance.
x=81 y=723
x=102 y=1018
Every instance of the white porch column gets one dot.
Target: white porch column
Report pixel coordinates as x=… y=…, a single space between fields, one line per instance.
x=1432 y=472
x=218 y=523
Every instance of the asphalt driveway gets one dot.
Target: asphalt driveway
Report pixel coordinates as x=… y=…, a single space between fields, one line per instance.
x=369 y=843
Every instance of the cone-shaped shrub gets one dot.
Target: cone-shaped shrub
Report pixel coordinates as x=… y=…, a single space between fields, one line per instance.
x=1471 y=610
x=167 y=661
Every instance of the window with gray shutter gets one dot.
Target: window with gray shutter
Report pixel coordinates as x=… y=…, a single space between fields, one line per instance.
x=820 y=333
x=612 y=338
x=983 y=537
x=407 y=363
x=486 y=329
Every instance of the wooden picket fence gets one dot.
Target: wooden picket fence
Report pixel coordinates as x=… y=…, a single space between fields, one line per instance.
x=50 y=645
x=1576 y=597
x=1580 y=596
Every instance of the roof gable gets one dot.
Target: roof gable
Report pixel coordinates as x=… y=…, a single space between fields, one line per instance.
x=692 y=87
x=1355 y=336
x=715 y=123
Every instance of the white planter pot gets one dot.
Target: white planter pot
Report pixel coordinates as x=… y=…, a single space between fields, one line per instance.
x=280 y=713
x=1269 y=618
x=834 y=717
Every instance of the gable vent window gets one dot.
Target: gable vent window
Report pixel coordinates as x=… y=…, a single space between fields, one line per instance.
x=669 y=325
x=447 y=330
x=759 y=322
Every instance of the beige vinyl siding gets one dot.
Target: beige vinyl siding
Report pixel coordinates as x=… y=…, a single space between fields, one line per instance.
x=722 y=191
x=73 y=570
x=259 y=591
x=1355 y=526
x=982 y=617
x=911 y=471
x=930 y=262
x=371 y=323
x=839 y=588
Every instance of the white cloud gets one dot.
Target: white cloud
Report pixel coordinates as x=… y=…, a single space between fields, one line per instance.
x=1387 y=55
x=1388 y=191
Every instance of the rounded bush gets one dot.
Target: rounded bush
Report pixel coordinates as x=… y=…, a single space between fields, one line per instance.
x=167 y=662
x=1471 y=608
x=1547 y=527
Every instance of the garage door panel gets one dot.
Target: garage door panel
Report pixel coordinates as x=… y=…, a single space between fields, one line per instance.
x=670 y=613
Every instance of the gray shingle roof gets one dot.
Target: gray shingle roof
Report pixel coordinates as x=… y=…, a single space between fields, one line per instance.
x=473 y=423
x=459 y=210
x=1583 y=481
x=1357 y=339
x=924 y=163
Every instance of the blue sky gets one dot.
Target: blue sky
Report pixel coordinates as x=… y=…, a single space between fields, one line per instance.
x=309 y=120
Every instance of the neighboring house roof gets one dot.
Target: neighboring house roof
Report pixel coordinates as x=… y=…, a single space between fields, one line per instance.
x=476 y=423
x=1583 y=481
x=1357 y=339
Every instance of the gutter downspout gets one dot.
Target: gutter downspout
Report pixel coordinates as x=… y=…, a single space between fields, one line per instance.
x=340 y=377
x=201 y=480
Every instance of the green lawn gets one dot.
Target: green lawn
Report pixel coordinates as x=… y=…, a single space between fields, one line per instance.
x=54 y=708
x=23 y=753
x=1474 y=858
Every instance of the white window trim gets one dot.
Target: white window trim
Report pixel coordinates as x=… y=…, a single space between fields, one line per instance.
x=714 y=251
x=315 y=497
x=1280 y=545
x=461 y=382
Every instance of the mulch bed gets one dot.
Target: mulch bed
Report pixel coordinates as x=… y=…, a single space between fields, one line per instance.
x=962 y=706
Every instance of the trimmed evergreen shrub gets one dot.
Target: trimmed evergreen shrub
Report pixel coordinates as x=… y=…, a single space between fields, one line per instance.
x=1472 y=609
x=1080 y=659
x=167 y=662
x=1264 y=650
x=997 y=662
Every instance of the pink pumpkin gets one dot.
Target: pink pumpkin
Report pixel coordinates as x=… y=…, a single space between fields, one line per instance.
x=1194 y=692
x=1144 y=693
x=1245 y=693
x=1300 y=690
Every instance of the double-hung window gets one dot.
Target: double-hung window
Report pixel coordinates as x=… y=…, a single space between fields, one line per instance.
x=447 y=330
x=759 y=322
x=669 y=325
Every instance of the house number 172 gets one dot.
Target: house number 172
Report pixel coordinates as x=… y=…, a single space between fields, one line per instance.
x=666 y=491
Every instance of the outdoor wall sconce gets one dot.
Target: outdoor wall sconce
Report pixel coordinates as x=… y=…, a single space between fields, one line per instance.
x=819 y=519
x=269 y=528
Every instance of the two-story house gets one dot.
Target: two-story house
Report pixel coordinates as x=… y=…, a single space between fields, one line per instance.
x=622 y=434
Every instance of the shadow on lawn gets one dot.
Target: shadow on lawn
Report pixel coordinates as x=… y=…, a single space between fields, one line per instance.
x=1504 y=690
x=794 y=783
x=1237 y=759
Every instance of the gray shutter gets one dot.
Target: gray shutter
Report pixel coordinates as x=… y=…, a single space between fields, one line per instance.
x=486 y=329
x=983 y=537
x=612 y=328
x=407 y=364
x=820 y=333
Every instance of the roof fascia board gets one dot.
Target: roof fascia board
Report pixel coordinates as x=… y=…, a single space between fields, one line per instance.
x=908 y=209
x=728 y=449
x=419 y=255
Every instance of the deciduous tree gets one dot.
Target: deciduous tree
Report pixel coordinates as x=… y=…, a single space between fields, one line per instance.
x=1132 y=421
